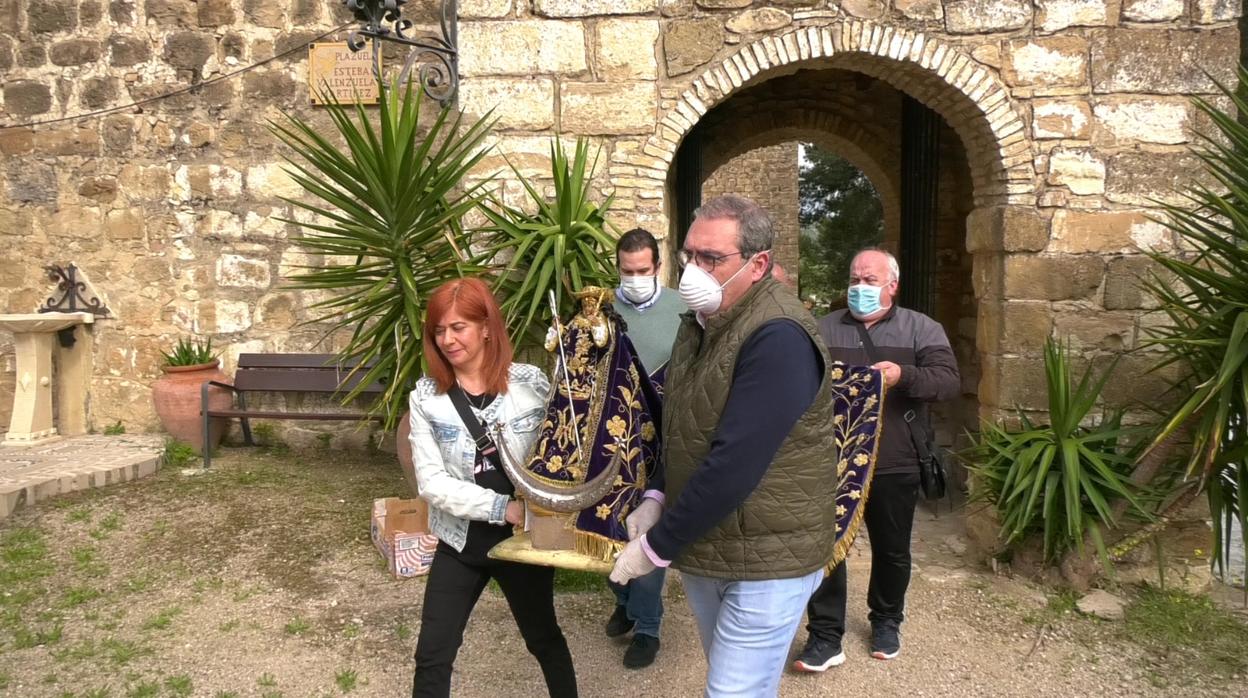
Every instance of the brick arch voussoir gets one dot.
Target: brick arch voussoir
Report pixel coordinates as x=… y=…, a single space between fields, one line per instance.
x=970 y=97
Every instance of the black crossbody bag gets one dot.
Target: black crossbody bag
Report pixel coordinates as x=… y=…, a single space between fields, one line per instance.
x=932 y=475
x=475 y=428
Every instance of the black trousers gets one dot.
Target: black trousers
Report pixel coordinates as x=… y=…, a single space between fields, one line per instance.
x=889 y=517
x=455 y=583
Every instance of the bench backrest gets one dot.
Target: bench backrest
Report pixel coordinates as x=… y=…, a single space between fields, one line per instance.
x=312 y=373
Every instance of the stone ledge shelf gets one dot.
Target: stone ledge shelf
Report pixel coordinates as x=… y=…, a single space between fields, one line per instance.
x=34 y=340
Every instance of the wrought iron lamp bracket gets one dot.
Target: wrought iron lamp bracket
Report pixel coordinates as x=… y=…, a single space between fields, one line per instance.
x=436 y=55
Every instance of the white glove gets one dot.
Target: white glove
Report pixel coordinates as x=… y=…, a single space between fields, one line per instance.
x=643 y=518
x=631 y=563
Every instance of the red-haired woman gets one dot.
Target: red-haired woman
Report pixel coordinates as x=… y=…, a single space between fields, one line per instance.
x=471 y=376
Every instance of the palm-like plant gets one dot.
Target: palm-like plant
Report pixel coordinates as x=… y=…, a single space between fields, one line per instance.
x=558 y=249
x=1205 y=296
x=388 y=223
x=1059 y=478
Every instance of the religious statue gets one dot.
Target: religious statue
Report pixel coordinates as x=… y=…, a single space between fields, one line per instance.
x=599 y=443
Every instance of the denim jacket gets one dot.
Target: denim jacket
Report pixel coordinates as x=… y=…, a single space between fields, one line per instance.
x=443 y=451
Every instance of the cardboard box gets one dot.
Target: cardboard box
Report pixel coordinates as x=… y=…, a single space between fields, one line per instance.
x=400 y=531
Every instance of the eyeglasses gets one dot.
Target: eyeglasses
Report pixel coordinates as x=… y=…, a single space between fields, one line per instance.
x=704 y=260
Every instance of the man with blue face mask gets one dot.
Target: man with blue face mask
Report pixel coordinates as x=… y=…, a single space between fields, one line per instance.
x=652 y=314
x=745 y=507
x=913 y=353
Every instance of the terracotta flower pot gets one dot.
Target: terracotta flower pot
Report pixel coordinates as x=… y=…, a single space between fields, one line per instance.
x=176 y=395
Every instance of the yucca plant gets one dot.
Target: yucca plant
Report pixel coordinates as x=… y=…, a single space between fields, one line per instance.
x=388 y=210
x=561 y=247
x=1204 y=294
x=189 y=353
x=1061 y=478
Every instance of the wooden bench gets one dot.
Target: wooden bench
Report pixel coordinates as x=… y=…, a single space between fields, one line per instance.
x=283 y=373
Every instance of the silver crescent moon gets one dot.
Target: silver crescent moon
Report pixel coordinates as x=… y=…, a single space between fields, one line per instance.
x=564 y=500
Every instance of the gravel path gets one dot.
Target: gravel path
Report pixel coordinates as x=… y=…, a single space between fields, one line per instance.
x=259 y=579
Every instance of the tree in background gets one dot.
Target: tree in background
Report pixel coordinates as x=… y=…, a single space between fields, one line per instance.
x=839 y=213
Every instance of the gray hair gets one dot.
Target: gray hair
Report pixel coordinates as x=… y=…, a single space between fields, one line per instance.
x=894 y=269
x=755 y=232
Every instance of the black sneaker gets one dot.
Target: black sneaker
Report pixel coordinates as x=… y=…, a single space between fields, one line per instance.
x=885 y=640
x=619 y=623
x=641 y=651
x=819 y=655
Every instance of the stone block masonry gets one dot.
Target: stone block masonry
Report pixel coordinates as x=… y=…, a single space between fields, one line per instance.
x=1073 y=116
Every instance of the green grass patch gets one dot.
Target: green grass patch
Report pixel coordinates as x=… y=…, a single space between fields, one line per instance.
x=79 y=515
x=346 y=680
x=179 y=454
x=25 y=557
x=179 y=685
x=297 y=626
x=25 y=638
x=266 y=680
x=108 y=525
x=122 y=652
x=115 y=429
x=1060 y=605
x=77 y=596
x=85 y=649
x=575 y=581
x=209 y=584
x=143 y=689
x=403 y=632
x=87 y=562
x=163 y=619
x=139 y=582
x=1179 y=627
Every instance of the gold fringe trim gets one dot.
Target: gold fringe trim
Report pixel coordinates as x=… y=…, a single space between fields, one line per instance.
x=841 y=551
x=597 y=546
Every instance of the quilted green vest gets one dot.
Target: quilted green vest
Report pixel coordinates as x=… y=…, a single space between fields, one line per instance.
x=787 y=526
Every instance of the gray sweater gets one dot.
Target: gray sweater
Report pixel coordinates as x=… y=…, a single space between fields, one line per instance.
x=653 y=330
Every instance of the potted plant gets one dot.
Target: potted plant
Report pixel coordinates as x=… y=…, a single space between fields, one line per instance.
x=177 y=395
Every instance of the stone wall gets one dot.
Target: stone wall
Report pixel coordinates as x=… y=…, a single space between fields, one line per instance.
x=171 y=209
x=769 y=177
x=1071 y=118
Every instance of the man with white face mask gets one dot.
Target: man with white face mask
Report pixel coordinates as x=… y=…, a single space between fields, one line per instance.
x=913 y=353
x=652 y=315
x=651 y=311
x=746 y=506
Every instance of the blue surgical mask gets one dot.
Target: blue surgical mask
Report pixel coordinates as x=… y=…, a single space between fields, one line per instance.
x=864 y=300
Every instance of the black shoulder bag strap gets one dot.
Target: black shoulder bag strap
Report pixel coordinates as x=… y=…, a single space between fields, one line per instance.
x=921 y=448
x=475 y=428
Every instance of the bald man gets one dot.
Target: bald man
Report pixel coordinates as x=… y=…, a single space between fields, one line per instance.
x=913 y=353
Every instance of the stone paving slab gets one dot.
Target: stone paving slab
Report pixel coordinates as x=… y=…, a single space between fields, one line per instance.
x=31 y=473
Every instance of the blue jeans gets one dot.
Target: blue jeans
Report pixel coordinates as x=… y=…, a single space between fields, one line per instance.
x=746 y=629
x=642 y=599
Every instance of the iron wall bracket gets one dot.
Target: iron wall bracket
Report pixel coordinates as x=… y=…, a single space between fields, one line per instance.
x=437 y=55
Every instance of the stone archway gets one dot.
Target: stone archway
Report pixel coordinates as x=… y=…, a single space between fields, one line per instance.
x=970 y=98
